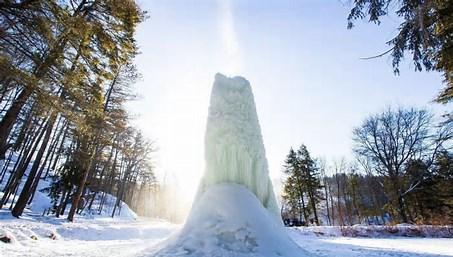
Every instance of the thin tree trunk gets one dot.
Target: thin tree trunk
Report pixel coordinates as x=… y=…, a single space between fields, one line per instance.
x=60 y=148
x=313 y=206
x=332 y=206
x=27 y=189
x=80 y=188
x=327 y=201
x=6 y=124
x=22 y=167
x=66 y=200
x=340 y=214
x=6 y=166
x=60 y=204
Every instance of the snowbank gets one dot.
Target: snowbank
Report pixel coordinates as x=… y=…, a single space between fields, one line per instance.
x=405 y=230
x=42 y=202
x=49 y=236
x=124 y=212
x=228 y=220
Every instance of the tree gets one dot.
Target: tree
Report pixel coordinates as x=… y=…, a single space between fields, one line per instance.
x=302 y=188
x=387 y=142
x=293 y=189
x=425 y=32
x=327 y=192
x=65 y=76
x=432 y=201
x=51 y=45
x=312 y=182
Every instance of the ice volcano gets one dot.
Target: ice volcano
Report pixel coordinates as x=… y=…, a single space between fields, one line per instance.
x=235 y=212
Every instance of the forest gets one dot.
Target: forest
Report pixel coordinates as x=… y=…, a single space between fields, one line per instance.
x=402 y=173
x=67 y=73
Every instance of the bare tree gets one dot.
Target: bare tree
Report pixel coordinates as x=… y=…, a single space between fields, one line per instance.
x=388 y=141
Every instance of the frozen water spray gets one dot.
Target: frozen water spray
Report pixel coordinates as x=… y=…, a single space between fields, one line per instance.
x=235 y=211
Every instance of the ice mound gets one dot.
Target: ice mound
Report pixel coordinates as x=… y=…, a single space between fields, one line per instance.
x=234 y=149
x=235 y=212
x=229 y=221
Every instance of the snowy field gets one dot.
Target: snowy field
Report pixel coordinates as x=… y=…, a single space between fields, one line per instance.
x=127 y=237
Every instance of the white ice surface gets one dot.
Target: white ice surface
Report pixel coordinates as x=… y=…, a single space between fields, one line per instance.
x=119 y=237
x=228 y=220
x=234 y=149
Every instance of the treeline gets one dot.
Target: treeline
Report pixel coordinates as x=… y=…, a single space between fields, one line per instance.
x=65 y=74
x=403 y=173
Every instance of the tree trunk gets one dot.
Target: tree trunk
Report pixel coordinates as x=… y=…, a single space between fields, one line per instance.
x=66 y=200
x=24 y=129
x=304 y=208
x=6 y=124
x=313 y=206
x=59 y=150
x=332 y=206
x=27 y=189
x=5 y=167
x=327 y=201
x=22 y=166
x=402 y=210
x=39 y=73
x=80 y=188
x=60 y=204
x=340 y=214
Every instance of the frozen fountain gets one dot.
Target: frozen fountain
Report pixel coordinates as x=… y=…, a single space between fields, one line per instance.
x=235 y=212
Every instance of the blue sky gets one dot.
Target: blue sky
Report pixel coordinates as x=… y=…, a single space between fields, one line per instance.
x=309 y=82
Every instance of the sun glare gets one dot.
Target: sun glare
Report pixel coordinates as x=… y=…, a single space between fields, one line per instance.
x=229 y=38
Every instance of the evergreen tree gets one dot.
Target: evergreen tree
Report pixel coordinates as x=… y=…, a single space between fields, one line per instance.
x=311 y=180
x=293 y=189
x=302 y=188
x=425 y=32
x=65 y=76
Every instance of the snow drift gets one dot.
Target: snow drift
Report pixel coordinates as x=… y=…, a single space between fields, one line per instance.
x=235 y=212
x=379 y=231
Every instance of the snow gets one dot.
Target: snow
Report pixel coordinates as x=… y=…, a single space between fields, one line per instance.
x=119 y=237
x=41 y=201
x=86 y=237
x=374 y=247
x=122 y=213
x=406 y=230
x=228 y=220
x=234 y=149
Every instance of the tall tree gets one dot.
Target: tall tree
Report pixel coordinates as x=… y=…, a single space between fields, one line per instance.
x=390 y=140
x=302 y=188
x=312 y=182
x=293 y=190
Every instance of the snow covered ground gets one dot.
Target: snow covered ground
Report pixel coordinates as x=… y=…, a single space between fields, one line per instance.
x=126 y=237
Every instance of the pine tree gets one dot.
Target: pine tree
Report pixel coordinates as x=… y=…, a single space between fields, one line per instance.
x=425 y=32
x=302 y=188
x=66 y=74
x=293 y=190
x=311 y=180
